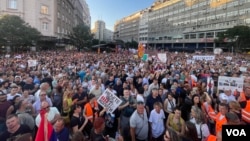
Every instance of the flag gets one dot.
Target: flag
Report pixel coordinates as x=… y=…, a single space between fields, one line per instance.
x=210 y=85
x=45 y=130
x=140 y=50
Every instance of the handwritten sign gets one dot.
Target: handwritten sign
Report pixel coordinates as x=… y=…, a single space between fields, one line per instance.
x=109 y=100
x=207 y=58
x=32 y=63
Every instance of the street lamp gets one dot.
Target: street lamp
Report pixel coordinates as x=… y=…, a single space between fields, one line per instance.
x=236 y=42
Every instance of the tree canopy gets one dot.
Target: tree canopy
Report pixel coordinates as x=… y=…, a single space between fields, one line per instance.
x=238 y=36
x=15 y=32
x=81 y=36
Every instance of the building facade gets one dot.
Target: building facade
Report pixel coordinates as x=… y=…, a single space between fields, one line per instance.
x=187 y=23
x=53 y=18
x=127 y=29
x=101 y=33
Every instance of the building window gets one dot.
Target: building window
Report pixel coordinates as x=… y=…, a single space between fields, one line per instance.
x=45 y=26
x=44 y=9
x=58 y=15
x=12 y=4
x=58 y=29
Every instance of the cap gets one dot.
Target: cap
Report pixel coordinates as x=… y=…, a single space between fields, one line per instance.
x=139 y=102
x=2 y=93
x=98 y=122
x=111 y=84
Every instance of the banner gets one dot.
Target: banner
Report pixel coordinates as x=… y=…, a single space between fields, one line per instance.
x=231 y=83
x=217 y=51
x=162 y=57
x=201 y=57
x=32 y=63
x=109 y=100
x=140 y=50
x=145 y=57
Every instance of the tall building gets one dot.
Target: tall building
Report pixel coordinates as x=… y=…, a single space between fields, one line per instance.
x=185 y=23
x=101 y=33
x=127 y=28
x=53 y=18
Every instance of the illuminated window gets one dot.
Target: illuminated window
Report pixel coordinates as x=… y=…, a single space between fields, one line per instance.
x=44 y=9
x=12 y=4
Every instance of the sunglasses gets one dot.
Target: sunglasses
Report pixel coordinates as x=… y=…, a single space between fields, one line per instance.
x=140 y=103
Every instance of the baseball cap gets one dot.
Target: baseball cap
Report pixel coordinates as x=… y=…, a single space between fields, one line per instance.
x=139 y=102
x=2 y=93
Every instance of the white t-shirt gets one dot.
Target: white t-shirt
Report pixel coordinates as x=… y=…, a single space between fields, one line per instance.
x=10 y=97
x=202 y=129
x=52 y=112
x=157 y=122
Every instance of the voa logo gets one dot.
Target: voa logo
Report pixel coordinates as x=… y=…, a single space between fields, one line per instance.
x=236 y=132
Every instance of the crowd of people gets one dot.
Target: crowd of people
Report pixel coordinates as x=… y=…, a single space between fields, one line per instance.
x=161 y=101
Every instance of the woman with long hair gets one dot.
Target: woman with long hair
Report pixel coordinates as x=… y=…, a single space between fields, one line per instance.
x=190 y=132
x=197 y=118
x=171 y=135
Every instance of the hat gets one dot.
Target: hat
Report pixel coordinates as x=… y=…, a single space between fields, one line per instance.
x=2 y=93
x=111 y=84
x=139 y=102
x=98 y=122
x=13 y=85
x=173 y=87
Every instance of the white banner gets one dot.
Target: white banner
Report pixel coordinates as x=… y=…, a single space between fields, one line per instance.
x=32 y=63
x=217 y=51
x=232 y=83
x=109 y=100
x=162 y=57
x=202 y=57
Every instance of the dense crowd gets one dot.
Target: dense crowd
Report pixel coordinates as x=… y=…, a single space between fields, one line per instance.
x=161 y=101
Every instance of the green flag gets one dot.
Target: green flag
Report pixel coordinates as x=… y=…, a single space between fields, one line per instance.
x=145 y=57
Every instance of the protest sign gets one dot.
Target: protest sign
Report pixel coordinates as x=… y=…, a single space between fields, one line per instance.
x=32 y=63
x=231 y=83
x=162 y=57
x=203 y=57
x=145 y=57
x=109 y=100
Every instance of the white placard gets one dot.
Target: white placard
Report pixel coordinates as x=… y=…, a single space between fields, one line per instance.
x=162 y=57
x=231 y=83
x=243 y=69
x=32 y=63
x=217 y=51
x=109 y=100
x=203 y=57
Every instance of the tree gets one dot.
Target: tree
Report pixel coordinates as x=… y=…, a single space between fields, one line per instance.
x=81 y=36
x=238 y=35
x=15 y=32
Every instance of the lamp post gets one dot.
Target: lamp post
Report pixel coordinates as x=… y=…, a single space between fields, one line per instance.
x=236 y=42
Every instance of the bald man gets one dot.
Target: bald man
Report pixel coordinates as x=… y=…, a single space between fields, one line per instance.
x=52 y=113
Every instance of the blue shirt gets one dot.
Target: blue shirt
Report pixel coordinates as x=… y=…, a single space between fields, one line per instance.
x=63 y=135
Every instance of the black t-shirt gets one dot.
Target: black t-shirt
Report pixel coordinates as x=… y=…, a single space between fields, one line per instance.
x=75 y=121
x=80 y=97
x=23 y=129
x=111 y=123
x=78 y=121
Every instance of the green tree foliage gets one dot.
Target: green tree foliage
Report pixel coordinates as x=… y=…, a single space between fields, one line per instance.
x=81 y=37
x=14 y=32
x=238 y=36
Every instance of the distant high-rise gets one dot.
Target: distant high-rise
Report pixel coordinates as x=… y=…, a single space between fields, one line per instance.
x=101 y=33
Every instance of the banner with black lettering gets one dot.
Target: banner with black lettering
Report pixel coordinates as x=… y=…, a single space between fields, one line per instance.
x=203 y=57
x=109 y=100
x=235 y=84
